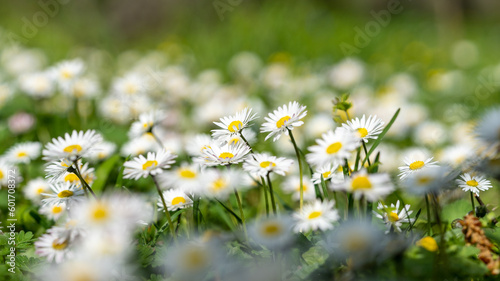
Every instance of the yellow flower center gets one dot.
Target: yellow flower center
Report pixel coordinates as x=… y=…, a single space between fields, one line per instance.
x=65 y=194
x=304 y=186
x=235 y=126
x=473 y=183
x=424 y=180
x=187 y=173
x=1 y=174
x=282 y=121
x=361 y=182
x=149 y=164
x=130 y=89
x=72 y=148
x=314 y=215
x=71 y=177
x=59 y=246
x=178 y=200
x=334 y=148
x=326 y=174
x=271 y=230
x=219 y=184
x=22 y=154
x=99 y=213
x=393 y=217
x=234 y=141
x=428 y=243
x=57 y=209
x=266 y=164
x=226 y=155
x=362 y=132
x=416 y=165
x=195 y=259
x=64 y=164
x=66 y=74
x=40 y=190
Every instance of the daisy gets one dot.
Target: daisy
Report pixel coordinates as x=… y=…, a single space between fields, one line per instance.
x=191 y=259
x=473 y=183
x=53 y=212
x=56 y=169
x=233 y=125
x=365 y=128
x=23 y=152
x=227 y=154
x=392 y=217
x=220 y=184
x=292 y=185
x=248 y=134
x=414 y=161
x=329 y=172
x=63 y=193
x=66 y=71
x=186 y=177
x=34 y=189
x=102 y=151
x=84 y=87
x=54 y=246
x=430 y=179
x=175 y=199
x=86 y=172
x=370 y=186
x=283 y=119
x=273 y=233
x=4 y=172
x=37 y=85
x=196 y=145
x=145 y=123
x=316 y=215
x=261 y=164
x=140 y=145
x=488 y=128
x=333 y=148
x=129 y=85
x=72 y=147
x=153 y=164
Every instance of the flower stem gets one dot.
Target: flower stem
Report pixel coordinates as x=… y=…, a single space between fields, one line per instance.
x=265 y=195
x=273 y=202
x=472 y=202
x=156 y=138
x=366 y=153
x=169 y=218
x=245 y=140
x=301 y=201
x=428 y=213
x=240 y=206
x=85 y=185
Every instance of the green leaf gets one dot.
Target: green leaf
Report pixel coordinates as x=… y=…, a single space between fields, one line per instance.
x=455 y=210
x=103 y=172
x=230 y=211
x=381 y=136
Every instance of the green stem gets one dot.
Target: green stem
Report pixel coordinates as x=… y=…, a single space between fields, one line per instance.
x=167 y=213
x=366 y=153
x=245 y=140
x=240 y=206
x=265 y=195
x=428 y=213
x=156 y=137
x=350 y=206
x=325 y=190
x=301 y=201
x=472 y=202
x=273 y=202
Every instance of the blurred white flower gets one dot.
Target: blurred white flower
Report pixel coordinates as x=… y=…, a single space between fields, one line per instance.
x=316 y=215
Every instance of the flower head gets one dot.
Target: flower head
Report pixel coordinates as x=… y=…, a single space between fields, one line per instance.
x=233 y=125
x=473 y=183
x=365 y=128
x=77 y=145
x=273 y=232
x=262 y=163
x=175 y=199
x=283 y=119
x=333 y=148
x=217 y=154
x=63 y=193
x=370 y=186
x=392 y=217
x=23 y=152
x=316 y=215
x=145 y=123
x=415 y=161
x=153 y=164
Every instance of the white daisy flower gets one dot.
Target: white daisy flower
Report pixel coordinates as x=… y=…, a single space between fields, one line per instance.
x=196 y=145
x=54 y=246
x=273 y=232
x=220 y=184
x=283 y=119
x=175 y=199
x=37 y=85
x=4 y=172
x=414 y=161
x=430 y=179
x=77 y=145
x=261 y=164
x=191 y=259
x=56 y=169
x=23 y=152
x=333 y=148
x=34 y=189
x=233 y=125
x=66 y=71
x=63 y=193
x=488 y=127
x=86 y=172
x=129 y=85
x=392 y=217
x=187 y=177
x=473 y=183
x=54 y=212
x=365 y=128
x=316 y=215
x=457 y=155
x=146 y=123
x=140 y=145
x=370 y=186
x=84 y=87
x=103 y=151
x=292 y=185
x=153 y=164
x=248 y=134
x=329 y=172
x=227 y=154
